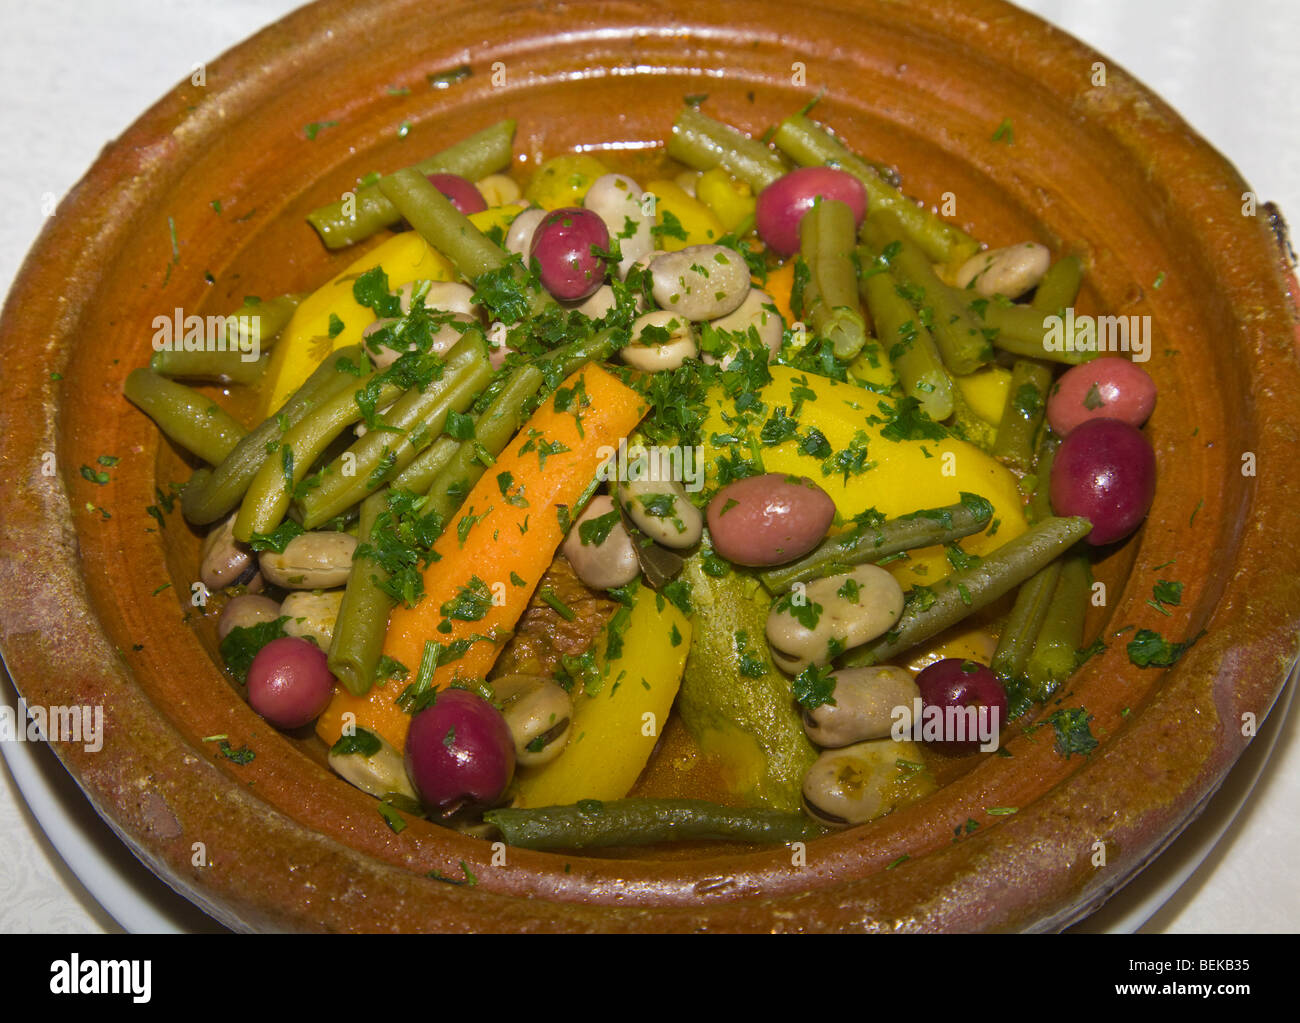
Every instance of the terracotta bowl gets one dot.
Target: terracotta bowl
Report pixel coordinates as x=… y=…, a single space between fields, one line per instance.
x=280 y=843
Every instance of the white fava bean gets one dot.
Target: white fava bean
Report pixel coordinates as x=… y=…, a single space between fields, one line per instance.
x=1011 y=271
x=538 y=713
x=610 y=563
x=313 y=561
x=855 y=608
x=444 y=340
x=443 y=296
x=312 y=615
x=758 y=310
x=598 y=303
x=687 y=181
x=652 y=355
x=498 y=189
x=225 y=561
x=854 y=784
x=245 y=611
x=380 y=773
x=519 y=236
x=701 y=282
x=657 y=502
x=616 y=199
x=865 y=699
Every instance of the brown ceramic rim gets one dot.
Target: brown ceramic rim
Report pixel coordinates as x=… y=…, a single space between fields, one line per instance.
x=288 y=846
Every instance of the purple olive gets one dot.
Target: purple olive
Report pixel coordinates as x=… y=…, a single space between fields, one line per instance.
x=1106 y=388
x=461 y=193
x=565 y=246
x=769 y=520
x=289 y=682
x=952 y=685
x=459 y=753
x=782 y=204
x=1105 y=471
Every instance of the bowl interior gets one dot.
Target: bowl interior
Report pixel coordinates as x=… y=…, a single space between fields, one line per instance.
x=1108 y=173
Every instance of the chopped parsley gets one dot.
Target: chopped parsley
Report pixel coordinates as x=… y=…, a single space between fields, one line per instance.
x=815 y=687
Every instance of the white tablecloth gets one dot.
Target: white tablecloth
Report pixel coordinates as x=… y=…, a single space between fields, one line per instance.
x=74 y=74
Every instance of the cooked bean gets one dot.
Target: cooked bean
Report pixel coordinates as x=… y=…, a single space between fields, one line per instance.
x=378 y=773
x=661 y=340
x=701 y=282
x=832 y=615
x=686 y=181
x=658 y=504
x=602 y=563
x=312 y=561
x=498 y=189
x=853 y=785
x=616 y=199
x=225 y=561
x=1011 y=271
x=538 y=713
x=758 y=310
x=312 y=615
x=865 y=699
x=769 y=520
x=444 y=340
x=519 y=236
x=444 y=296
x=245 y=611
x=598 y=303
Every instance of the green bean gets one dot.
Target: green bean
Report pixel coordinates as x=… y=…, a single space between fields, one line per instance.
x=493 y=431
x=228 y=367
x=560 y=362
x=1022 y=415
x=358 y=640
x=415 y=421
x=830 y=298
x=1022 y=330
x=188 y=418
x=960 y=340
x=418 y=477
x=1059 y=288
x=591 y=824
x=930 y=610
x=969 y=424
x=909 y=345
x=264 y=320
x=204 y=501
x=483 y=153
x=1024 y=623
x=1040 y=504
x=809 y=144
x=701 y=142
x=868 y=542
x=440 y=224
x=272 y=488
x=1055 y=651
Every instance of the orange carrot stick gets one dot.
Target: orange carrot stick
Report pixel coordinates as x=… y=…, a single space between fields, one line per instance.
x=494 y=552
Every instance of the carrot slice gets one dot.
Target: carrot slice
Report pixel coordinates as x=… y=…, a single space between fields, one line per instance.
x=780 y=282
x=493 y=554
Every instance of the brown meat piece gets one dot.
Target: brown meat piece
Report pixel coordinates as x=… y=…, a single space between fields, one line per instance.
x=543 y=636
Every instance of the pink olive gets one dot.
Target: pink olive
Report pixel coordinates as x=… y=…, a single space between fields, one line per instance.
x=459 y=752
x=462 y=193
x=1106 y=388
x=782 y=204
x=565 y=246
x=1105 y=471
x=957 y=684
x=769 y=520
x=289 y=682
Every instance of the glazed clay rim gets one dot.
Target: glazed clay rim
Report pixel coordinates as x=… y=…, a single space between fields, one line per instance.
x=311 y=853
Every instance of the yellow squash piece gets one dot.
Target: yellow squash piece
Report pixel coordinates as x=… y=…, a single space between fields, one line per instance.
x=306 y=340
x=615 y=728
x=904 y=475
x=985 y=392
x=731 y=201
x=700 y=224
x=563 y=180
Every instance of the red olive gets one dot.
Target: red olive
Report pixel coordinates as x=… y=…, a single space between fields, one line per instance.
x=462 y=193
x=289 y=682
x=1106 y=388
x=769 y=520
x=782 y=204
x=459 y=752
x=950 y=686
x=565 y=246
x=1105 y=471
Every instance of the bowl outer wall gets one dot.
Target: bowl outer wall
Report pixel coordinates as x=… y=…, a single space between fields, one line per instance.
x=285 y=845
